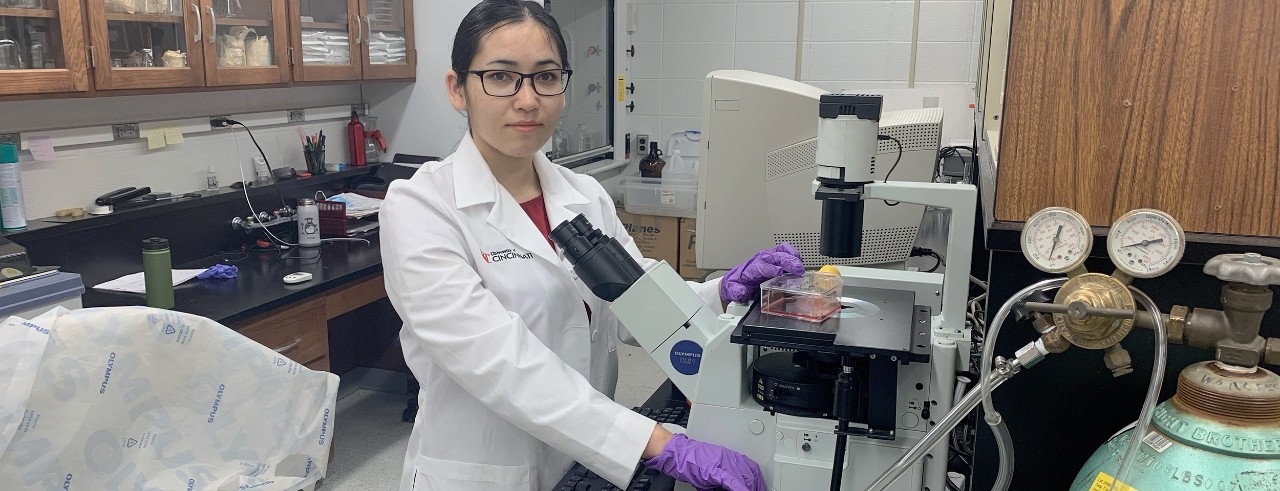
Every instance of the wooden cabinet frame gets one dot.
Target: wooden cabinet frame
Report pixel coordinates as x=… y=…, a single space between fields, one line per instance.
x=74 y=77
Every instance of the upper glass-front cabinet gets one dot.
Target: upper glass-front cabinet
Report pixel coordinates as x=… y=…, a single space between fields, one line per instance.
x=389 y=41
x=327 y=36
x=138 y=44
x=249 y=42
x=42 y=47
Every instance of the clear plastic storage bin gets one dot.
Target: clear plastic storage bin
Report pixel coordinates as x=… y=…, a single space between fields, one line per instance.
x=813 y=297
x=673 y=195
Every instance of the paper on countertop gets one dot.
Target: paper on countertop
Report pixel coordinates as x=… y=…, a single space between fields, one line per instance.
x=358 y=206
x=134 y=283
x=41 y=148
x=153 y=399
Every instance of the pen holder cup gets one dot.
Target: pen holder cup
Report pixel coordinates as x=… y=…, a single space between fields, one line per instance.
x=315 y=161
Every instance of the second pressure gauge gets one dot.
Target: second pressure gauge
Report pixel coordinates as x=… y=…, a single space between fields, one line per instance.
x=1056 y=240
x=1146 y=243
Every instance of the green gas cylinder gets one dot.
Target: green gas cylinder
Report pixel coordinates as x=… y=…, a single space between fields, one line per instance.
x=1219 y=432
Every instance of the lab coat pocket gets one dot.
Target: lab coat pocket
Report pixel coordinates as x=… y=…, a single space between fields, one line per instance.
x=448 y=475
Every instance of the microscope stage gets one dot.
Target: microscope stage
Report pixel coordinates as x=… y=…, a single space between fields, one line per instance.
x=877 y=322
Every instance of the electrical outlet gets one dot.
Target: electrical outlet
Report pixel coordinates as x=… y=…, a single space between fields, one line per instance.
x=126 y=131
x=297 y=116
x=642 y=144
x=360 y=109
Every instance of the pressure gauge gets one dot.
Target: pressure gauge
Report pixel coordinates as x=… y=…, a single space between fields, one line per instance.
x=1056 y=240
x=1146 y=243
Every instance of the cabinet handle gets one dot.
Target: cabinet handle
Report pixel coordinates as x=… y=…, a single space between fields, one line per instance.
x=289 y=346
x=360 y=36
x=213 y=22
x=199 y=24
x=369 y=24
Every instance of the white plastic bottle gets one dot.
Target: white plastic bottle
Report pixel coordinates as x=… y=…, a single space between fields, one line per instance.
x=678 y=164
x=308 y=223
x=263 y=174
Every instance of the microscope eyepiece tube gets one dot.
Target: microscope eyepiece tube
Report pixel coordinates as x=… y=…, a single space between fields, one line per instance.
x=602 y=263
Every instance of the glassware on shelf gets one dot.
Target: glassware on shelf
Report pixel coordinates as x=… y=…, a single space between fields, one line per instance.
x=10 y=51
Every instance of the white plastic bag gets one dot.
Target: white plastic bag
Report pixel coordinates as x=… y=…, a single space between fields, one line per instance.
x=258 y=50
x=140 y=398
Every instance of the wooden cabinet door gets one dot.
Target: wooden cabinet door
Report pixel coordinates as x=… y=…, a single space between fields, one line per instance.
x=42 y=47
x=388 y=40
x=327 y=38
x=146 y=44
x=250 y=42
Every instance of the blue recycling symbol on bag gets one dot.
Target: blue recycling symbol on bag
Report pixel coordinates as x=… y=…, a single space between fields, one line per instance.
x=169 y=330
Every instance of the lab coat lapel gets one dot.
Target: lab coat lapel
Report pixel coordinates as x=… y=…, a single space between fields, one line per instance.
x=509 y=218
x=563 y=201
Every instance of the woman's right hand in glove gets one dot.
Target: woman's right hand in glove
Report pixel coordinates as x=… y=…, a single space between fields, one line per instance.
x=707 y=466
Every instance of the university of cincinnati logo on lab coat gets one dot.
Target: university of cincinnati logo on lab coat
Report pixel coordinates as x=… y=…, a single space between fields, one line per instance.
x=504 y=255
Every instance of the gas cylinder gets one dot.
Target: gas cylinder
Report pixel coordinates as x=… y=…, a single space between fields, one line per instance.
x=1220 y=432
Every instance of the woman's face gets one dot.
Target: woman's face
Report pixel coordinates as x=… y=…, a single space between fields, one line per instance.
x=516 y=126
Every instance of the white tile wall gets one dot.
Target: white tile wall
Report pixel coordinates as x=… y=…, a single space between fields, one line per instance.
x=649 y=23
x=698 y=22
x=682 y=97
x=847 y=44
x=862 y=21
x=947 y=21
x=771 y=58
x=767 y=22
x=695 y=60
x=944 y=62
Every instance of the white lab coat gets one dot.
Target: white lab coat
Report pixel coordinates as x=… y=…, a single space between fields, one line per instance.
x=516 y=382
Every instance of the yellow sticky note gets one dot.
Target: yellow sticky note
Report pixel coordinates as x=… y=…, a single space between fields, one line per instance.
x=155 y=138
x=622 y=89
x=1103 y=483
x=172 y=135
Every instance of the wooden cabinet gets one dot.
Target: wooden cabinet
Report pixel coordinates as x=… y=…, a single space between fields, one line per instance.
x=69 y=46
x=145 y=44
x=324 y=35
x=388 y=40
x=1111 y=106
x=353 y=40
x=299 y=332
x=42 y=48
x=249 y=44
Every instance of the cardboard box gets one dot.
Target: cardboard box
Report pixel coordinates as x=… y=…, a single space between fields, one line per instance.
x=688 y=256
x=656 y=237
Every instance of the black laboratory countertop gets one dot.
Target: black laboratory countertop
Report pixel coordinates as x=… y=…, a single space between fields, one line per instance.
x=259 y=287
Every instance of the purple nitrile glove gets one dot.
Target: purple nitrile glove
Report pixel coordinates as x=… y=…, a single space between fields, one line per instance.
x=220 y=271
x=743 y=281
x=707 y=466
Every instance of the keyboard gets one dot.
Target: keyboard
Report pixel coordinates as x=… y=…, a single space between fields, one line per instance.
x=646 y=479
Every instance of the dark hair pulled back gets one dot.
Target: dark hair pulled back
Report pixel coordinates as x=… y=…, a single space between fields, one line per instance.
x=488 y=16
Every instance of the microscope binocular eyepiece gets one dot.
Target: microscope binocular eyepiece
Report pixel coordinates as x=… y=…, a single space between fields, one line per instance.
x=600 y=261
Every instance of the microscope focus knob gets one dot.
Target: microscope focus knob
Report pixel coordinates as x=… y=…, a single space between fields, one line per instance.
x=1250 y=268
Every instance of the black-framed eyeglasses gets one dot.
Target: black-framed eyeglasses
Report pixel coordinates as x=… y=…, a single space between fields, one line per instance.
x=506 y=83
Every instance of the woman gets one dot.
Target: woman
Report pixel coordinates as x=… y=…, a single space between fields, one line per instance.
x=515 y=356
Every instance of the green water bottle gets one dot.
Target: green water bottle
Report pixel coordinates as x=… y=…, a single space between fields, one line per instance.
x=157 y=272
